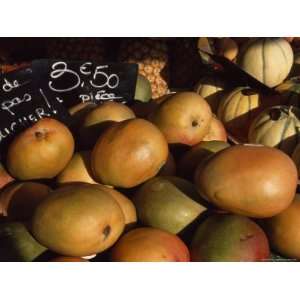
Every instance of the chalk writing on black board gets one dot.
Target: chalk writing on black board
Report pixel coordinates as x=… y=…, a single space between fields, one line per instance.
x=98 y=78
x=49 y=87
x=76 y=82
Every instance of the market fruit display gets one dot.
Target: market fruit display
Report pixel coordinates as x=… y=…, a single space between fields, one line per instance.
x=78 y=220
x=250 y=180
x=183 y=118
x=150 y=245
x=41 y=151
x=228 y=237
x=124 y=146
x=168 y=204
x=283 y=230
x=199 y=162
x=278 y=127
x=269 y=60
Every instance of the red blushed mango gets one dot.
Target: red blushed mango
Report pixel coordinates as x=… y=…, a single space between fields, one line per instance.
x=150 y=245
x=129 y=153
x=216 y=131
x=183 y=118
x=229 y=238
x=250 y=180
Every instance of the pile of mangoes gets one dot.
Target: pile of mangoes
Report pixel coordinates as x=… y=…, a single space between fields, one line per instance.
x=209 y=174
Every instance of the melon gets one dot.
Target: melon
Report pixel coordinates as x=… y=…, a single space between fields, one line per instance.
x=238 y=109
x=269 y=60
x=290 y=91
x=211 y=89
x=277 y=127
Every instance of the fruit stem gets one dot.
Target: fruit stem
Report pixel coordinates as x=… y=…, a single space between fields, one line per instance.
x=39 y=135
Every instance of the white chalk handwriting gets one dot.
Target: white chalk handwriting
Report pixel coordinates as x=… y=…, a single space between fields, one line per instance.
x=101 y=78
x=98 y=97
x=8 y=86
x=8 y=105
x=33 y=117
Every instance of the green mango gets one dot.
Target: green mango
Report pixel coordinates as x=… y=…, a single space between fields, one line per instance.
x=17 y=244
x=143 y=90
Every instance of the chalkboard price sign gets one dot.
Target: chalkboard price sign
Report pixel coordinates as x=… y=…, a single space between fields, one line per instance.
x=22 y=104
x=47 y=88
x=73 y=82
